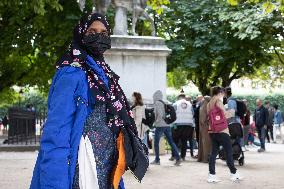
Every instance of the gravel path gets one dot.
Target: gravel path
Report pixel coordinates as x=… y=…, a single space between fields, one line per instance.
x=260 y=171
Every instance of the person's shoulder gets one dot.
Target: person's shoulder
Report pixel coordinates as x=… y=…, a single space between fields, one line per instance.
x=139 y=107
x=70 y=78
x=70 y=74
x=159 y=103
x=232 y=99
x=219 y=102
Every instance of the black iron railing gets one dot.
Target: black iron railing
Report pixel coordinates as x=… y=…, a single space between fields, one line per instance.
x=25 y=126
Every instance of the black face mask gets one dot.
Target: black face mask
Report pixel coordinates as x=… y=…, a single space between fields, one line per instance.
x=97 y=43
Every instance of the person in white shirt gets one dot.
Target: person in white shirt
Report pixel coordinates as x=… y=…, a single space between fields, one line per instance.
x=184 y=124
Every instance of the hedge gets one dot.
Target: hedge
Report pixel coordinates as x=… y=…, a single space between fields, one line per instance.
x=251 y=98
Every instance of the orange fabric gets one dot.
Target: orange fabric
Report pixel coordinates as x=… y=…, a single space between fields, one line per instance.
x=121 y=165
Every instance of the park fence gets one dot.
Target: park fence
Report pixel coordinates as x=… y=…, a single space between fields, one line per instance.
x=25 y=127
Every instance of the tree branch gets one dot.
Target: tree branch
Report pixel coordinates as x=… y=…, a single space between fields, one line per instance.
x=279 y=56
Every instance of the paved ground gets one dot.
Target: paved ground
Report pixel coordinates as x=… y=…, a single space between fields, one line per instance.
x=261 y=171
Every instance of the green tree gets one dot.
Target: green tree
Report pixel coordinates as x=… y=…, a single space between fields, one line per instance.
x=33 y=35
x=216 y=43
x=267 y=5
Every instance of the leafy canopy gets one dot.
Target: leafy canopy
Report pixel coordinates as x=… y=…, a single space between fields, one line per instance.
x=216 y=43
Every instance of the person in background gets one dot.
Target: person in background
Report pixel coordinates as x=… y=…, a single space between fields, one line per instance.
x=204 y=146
x=232 y=105
x=162 y=128
x=269 y=122
x=246 y=123
x=221 y=138
x=278 y=120
x=30 y=107
x=184 y=125
x=138 y=111
x=260 y=118
x=188 y=98
x=5 y=122
x=199 y=100
x=251 y=136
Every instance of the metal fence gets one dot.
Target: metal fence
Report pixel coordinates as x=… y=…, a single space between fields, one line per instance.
x=25 y=126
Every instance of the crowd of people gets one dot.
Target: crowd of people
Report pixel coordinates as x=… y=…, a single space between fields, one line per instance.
x=217 y=125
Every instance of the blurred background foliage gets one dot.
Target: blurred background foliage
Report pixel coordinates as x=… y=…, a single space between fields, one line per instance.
x=276 y=98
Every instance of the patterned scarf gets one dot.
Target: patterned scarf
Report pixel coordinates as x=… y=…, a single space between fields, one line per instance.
x=102 y=81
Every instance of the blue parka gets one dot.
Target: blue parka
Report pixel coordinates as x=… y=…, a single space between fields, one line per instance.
x=67 y=112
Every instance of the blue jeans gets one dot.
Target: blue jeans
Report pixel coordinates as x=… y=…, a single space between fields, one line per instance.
x=261 y=135
x=145 y=140
x=159 y=131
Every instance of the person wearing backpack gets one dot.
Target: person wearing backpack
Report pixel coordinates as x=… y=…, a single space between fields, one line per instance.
x=219 y=133
x=239 y=110
x=278 y=119
x=232 y=105
x=162 y=120
x=138 y=111
x=184 y=125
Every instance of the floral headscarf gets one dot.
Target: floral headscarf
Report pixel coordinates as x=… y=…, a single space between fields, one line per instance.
x=102 y=81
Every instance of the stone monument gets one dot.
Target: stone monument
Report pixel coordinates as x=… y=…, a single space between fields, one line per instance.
x=140 y=61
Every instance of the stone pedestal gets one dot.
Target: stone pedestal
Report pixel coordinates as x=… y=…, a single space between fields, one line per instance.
x=121 y=18
x=141 y=63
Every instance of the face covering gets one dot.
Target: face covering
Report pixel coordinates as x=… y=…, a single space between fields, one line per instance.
x=97 y=43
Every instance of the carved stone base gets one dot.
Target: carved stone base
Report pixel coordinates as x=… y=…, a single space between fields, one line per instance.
x=141 y=63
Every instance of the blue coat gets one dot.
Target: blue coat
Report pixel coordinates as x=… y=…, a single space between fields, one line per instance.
x=67 y=112
x=278 y=119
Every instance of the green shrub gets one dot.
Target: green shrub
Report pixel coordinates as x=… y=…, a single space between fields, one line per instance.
x=251 y=98
x=273 y=99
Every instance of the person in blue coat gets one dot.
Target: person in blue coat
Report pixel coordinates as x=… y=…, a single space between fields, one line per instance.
x=85 y=102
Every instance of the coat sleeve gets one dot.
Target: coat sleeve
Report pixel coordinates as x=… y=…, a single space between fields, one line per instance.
x=55 y=143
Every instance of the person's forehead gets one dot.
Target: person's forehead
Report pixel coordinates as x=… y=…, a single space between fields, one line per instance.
x=97 y=24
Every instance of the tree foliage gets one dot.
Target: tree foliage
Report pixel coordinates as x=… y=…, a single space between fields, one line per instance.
x=216 y=43
x=267 y=5
x=33 y=35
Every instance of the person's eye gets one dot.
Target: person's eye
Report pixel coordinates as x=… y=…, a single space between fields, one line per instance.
x=105 y=33
x=90 y=32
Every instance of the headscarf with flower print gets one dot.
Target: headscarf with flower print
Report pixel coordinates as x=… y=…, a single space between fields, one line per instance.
x=104 y=87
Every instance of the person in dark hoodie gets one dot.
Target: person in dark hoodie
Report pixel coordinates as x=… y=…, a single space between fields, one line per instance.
x=162 y=128
x=260 y=118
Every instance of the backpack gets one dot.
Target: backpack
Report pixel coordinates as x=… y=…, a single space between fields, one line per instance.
x=170 y=112
x=217 y=119
x=241 y=109
x=149 y=117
